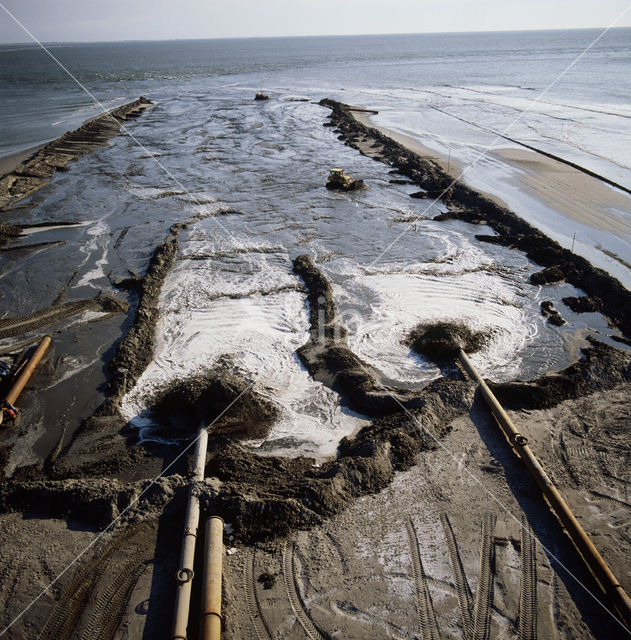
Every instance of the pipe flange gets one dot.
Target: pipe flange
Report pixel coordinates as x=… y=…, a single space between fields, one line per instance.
x=519 y=439
x=184 y=575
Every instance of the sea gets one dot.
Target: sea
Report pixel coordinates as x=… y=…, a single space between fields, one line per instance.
x=248 y=177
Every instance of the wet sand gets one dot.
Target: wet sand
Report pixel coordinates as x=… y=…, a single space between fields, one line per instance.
x=12 y=161
x=567 y=190
x=574 y=194
x=453 y=168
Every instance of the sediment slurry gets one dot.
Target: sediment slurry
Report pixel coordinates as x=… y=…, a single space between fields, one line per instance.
x=443 y=341
x=98 y=446
x=558 y=264
x=39 y=170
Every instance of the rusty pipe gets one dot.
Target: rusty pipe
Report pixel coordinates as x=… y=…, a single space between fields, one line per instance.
x=605 y=577
x=27 y=372
x=213 y=557
x=184 y=575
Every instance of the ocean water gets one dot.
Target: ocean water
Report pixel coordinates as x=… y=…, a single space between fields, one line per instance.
x=248 y=178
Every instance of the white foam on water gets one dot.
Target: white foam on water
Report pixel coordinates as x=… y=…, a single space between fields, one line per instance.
x=153 y=193
x=399 y=302
x=99 y=240
x=31 y=230
x=261 y=333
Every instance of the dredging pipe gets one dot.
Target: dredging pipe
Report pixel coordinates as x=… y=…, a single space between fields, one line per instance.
x=605 y=577
x=24 y=377
x=213 y=559
x=185 y=573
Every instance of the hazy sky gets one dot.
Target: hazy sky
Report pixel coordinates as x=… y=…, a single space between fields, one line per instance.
x=85 y=20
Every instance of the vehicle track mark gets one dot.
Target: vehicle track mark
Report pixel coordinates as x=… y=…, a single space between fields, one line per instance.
x=261 y=628
x=484 y=593
x=528 y=586
x=11 y=327
x=67 y=609
x=110 y=607
x=293 y=593
x=70 y=603
x=463 y=591
x=424 y=605
x=616 y=501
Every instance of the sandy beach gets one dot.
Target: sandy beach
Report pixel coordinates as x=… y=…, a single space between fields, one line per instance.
x=423 y=524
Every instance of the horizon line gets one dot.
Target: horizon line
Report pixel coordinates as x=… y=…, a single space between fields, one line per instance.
x=313 y=35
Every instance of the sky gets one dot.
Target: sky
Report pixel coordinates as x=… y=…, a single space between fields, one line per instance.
x=96 y=20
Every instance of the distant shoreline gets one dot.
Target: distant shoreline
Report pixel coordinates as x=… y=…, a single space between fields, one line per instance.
x=57 y=43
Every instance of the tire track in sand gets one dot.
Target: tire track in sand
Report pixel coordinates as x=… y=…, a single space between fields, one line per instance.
x=109 y=609
x=293 y=593
x=528 y=586
x=424 y=605
x=486 y=574
x=463 y=591
x=259 y=624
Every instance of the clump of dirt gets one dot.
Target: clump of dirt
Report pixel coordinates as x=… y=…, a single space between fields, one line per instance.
x=552 y=313
x=8 y=232
x=441 y=341
x=467 y=215
x=353 y=185
x=549 y=275
x=582 y=304
x=221 y=397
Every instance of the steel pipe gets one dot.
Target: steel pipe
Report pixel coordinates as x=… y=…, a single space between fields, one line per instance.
x=184 y=575
x=213 y=558
x=605 y=577
x=27 y=372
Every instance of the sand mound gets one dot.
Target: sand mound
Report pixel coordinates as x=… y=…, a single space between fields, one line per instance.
x=441 y=341
x=222 y=397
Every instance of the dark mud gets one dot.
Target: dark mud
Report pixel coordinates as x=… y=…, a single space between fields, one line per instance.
x=269 y=497
x=93 y=501
x=221 y=398
x=354 y=185
x=8 y=232
x=552 y=313
x=558 y=264
x=441 y=342
x=38 y=171
x=135 y=352
x=582 y=304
